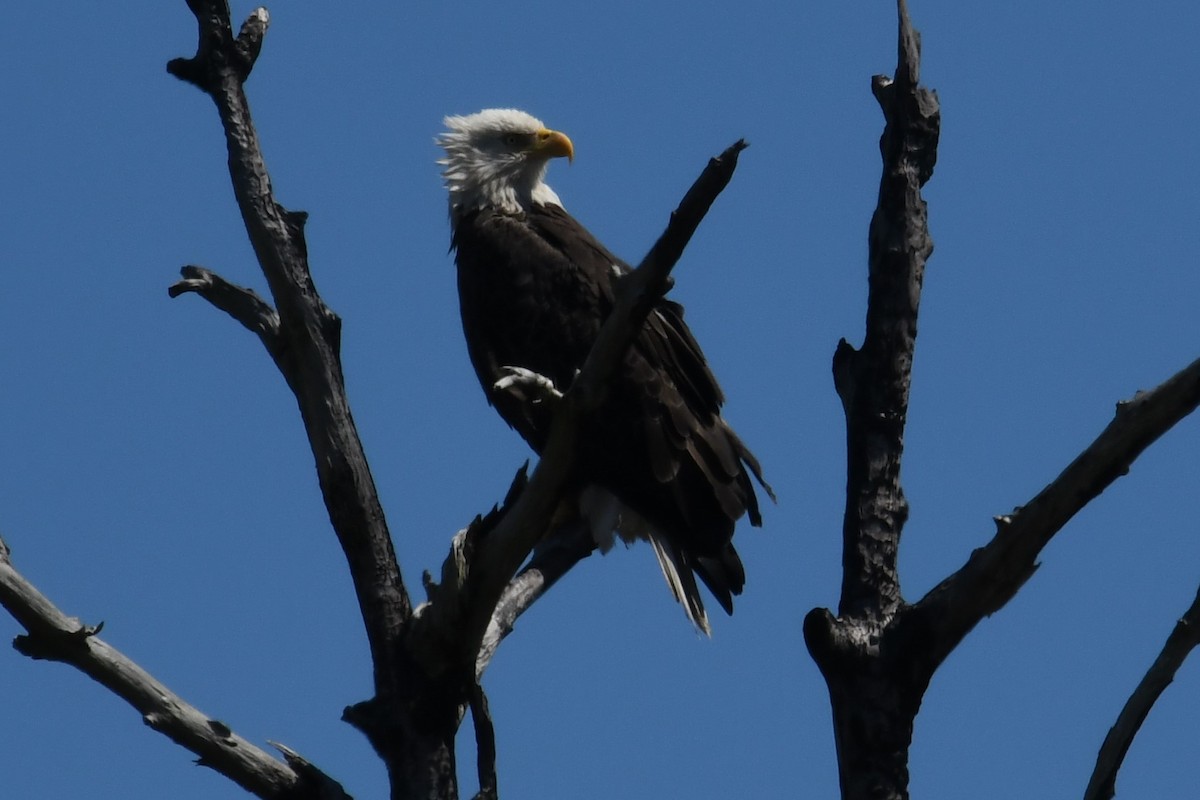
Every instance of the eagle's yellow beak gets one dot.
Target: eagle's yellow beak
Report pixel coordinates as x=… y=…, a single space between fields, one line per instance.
x=553 y=144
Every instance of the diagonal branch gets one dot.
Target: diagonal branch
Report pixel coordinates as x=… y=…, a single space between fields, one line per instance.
x=306 y=339
x=54 y=636
x=638 y=291
x=1183 y=639
x=994 y=573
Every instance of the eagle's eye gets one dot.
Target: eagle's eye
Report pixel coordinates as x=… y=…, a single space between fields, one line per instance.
x=512 y=140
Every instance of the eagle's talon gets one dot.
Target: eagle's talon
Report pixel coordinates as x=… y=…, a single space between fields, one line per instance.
x=527 y=385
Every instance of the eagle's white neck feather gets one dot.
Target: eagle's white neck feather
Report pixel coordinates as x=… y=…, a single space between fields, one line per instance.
x=482 y=172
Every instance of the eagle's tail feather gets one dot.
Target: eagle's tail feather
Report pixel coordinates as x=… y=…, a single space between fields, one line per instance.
x=681 y=580
x=724 y=575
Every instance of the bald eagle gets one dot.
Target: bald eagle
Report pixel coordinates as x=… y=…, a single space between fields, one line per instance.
x=657 y=462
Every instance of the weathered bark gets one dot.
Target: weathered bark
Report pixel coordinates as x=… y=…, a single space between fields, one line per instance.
x=53 y=636
x=873 y=691
x=302 y=334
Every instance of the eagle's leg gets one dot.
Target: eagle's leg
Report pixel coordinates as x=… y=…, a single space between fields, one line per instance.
x=527 y=385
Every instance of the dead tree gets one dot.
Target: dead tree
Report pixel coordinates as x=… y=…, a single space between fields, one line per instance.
x=877 y=653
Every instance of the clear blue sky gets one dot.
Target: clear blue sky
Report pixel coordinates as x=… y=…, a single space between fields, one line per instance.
x=154 y=473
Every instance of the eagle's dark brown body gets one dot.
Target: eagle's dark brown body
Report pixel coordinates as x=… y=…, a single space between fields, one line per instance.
x=534 y=289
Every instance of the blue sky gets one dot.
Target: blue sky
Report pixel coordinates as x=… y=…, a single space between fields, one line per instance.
x=155 y=474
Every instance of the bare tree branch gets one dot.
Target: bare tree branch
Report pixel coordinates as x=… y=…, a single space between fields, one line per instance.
x=485 y=744
x=54 y=636
x=243 y=304
x=322 y=786
x=994 y=573
x=414 y=713
x=1183 y=639
x=638 y=291
x=307 y=332
x=553 y=557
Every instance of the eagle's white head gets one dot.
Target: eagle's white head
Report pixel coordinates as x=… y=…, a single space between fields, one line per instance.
x=497 y=158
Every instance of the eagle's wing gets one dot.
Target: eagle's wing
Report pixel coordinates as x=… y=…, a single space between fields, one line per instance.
x=525 y=303
x=684 y=470
x=700 y=466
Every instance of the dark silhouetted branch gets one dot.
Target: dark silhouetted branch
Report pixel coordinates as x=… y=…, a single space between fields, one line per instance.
x=54 y=636
x=244 y=305
x=485 y=744
x=873 y=691
x=1183 y=639
x=994 y=573
x=638 y=291
x=873 y=382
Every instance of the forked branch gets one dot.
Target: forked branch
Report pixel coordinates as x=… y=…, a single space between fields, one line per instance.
x=301 y=333
x=874 y=692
